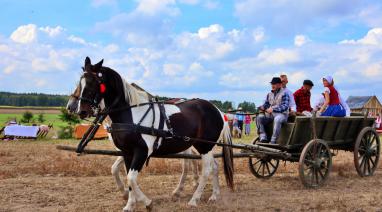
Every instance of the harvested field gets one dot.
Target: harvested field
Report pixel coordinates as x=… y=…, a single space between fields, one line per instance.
x=34 y=176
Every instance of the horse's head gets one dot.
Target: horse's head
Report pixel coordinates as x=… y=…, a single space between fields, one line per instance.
x=92 y=88
x=72 y=104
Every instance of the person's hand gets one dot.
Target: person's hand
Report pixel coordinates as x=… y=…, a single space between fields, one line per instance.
x=292 y=113
x=269 y=110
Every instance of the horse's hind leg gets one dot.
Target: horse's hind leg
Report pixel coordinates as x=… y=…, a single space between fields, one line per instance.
x=180 y=187
x=207 y=167
x=215 y=181
x=115 y=172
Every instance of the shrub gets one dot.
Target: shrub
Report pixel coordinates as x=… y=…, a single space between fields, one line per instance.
x=27 y=117
x=41 y=118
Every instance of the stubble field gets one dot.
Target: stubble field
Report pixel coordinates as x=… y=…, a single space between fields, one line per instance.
x=34 y=176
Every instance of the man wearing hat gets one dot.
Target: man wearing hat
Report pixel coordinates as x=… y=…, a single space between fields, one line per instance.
x=302 y=97
x=276 y=109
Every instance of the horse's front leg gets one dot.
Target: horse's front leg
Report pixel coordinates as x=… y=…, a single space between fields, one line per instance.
x=135 y=193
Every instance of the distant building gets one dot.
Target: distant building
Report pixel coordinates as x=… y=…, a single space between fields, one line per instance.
x=360 y=104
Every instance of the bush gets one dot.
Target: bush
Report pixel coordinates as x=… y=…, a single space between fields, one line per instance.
x=66 y=132
x=27 y=117
x=72 y=120
x=41 y=118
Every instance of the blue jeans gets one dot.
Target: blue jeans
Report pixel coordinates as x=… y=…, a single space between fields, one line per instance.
x=277 y=118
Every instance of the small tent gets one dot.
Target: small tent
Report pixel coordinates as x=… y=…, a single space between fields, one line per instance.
x=80 y=130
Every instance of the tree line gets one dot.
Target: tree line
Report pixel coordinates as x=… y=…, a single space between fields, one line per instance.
x=40 y=99
x=32 y=99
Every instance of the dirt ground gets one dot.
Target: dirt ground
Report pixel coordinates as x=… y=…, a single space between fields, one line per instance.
x=34 y=176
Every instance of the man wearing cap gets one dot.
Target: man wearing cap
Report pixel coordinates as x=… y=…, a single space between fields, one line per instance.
x=276 y=109
x=302 y=97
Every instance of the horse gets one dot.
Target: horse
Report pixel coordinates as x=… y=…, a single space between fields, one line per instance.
x=197 y=123
x=117 y=165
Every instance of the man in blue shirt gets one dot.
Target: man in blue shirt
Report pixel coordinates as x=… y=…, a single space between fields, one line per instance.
x=276 y=109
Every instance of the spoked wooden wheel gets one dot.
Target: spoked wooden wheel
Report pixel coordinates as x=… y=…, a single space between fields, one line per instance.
x=315 y=163
x=263 y=167
x=366 y=152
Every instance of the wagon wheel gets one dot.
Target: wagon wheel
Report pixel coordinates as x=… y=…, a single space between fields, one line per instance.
x=264 y=167
x=315 y=163
x=366 y=152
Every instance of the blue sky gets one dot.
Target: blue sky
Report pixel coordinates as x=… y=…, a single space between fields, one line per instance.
x=226 y=50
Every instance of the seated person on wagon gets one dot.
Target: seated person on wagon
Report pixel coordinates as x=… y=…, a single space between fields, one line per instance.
x=276 y=108
x=332 y=105
x=302 y=97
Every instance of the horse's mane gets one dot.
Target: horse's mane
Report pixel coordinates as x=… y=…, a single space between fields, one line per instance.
x=132 y=94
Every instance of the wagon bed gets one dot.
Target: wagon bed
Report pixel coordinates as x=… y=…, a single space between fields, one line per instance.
x=309 y=140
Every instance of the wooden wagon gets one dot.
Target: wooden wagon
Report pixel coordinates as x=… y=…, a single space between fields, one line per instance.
x=311 y=141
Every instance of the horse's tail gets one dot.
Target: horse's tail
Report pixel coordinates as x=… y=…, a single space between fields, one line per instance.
x=227 y=155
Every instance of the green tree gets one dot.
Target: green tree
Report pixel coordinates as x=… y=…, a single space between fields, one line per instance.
x=248 y=107
x=41 y=118
x=70 y=118
x=223 y=106
x=27 y=117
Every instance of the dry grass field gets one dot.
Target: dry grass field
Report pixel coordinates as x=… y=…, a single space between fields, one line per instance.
x=34 y=176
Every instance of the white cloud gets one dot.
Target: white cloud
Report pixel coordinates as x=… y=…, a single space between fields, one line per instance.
x=278 y=56
x=373 y=37
x=286 y=17
x=25 y=34
x=9 y=69
x=258 y=34
x=210 y=4
x=172 y=69
x=373 y=70
x=300 y=40
x=52 y=31
x=153 y=7
x=112 y=48
x=206 y=32
x=190 y=2
x=99 y=3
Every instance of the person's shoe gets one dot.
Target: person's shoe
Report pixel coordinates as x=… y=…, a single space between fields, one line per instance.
x=263 y=141
x=273 y=142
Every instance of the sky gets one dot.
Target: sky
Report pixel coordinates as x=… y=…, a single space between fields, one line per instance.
x=224 y=50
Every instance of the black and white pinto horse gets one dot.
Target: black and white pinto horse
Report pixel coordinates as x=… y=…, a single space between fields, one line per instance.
x=197 y=119
x=187 y=164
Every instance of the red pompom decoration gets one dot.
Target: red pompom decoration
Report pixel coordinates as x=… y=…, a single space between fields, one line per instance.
x=102 y=88
x=225 y=118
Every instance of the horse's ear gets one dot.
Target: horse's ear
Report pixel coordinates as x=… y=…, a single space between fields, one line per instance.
x=87 y=61
x=98 y=65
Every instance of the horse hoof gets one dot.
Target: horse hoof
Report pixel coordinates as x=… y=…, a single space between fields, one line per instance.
x=175 y=197
x=128 y=210
x=212 y=199
x=150 y=206
x=192 y=203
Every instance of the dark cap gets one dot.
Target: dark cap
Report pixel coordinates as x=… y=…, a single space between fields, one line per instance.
x=308 y=82
x=275 y=80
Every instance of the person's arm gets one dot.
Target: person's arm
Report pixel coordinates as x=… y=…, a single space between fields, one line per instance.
x=266 y=104
x=284 y=106
x=326 y=103
x=296 y=97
